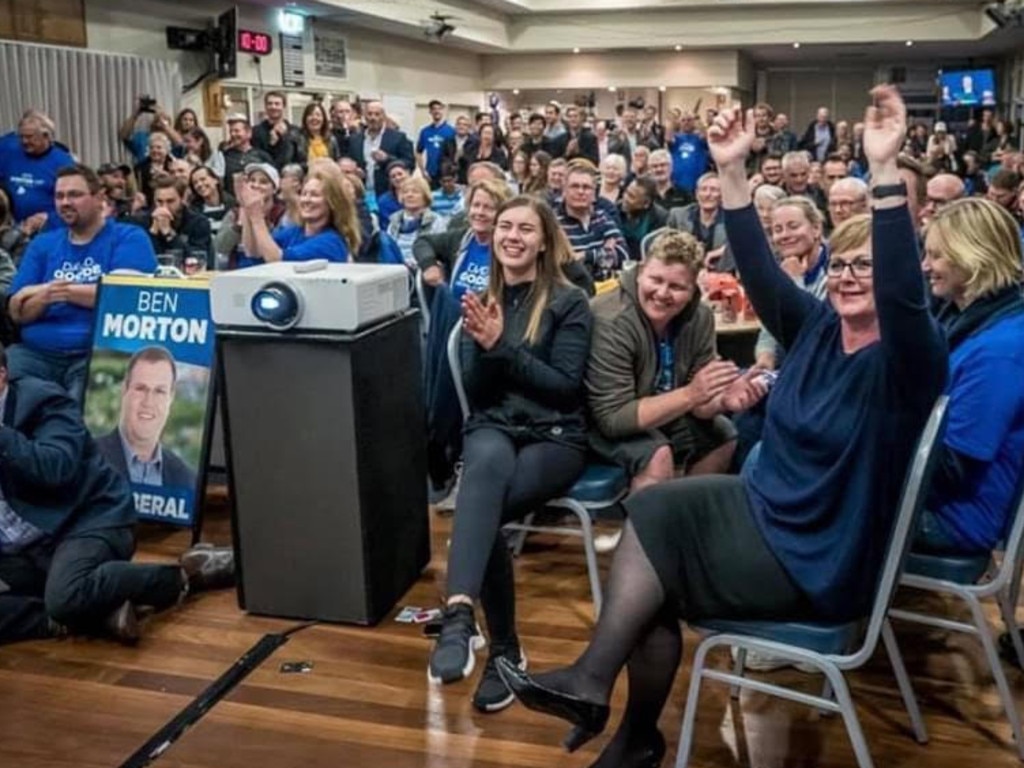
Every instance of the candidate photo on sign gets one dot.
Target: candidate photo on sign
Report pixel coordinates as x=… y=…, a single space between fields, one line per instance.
x=134 y=446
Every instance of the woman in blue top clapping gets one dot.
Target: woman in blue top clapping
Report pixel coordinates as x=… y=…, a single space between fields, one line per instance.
x=329 y=228
x=804 y=536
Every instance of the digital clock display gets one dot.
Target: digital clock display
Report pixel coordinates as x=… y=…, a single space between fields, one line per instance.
x=256 y=43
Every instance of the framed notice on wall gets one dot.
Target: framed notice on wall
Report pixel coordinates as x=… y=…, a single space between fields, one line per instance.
x=293 y=64
x=148 y=401
x=330 y=54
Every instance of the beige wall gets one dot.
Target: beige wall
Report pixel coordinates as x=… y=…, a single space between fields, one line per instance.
x=627 y=70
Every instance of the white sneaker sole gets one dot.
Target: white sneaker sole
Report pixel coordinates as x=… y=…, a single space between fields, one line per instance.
x=476 y=644
x=507 y=701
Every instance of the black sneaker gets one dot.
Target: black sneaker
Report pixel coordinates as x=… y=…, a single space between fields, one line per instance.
x=492 y=695
x=453 y=656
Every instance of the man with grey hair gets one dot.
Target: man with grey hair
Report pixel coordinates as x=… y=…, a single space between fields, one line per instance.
x=377 y=146
x=847 y=198
x=796 y=178
x=941 y=190
x=29 y=162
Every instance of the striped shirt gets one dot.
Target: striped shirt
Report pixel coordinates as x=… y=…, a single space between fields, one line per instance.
x=588 y=241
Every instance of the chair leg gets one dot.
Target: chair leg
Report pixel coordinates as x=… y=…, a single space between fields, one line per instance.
x=686 y=732
x=842 y=692
x=517 y=547
x=593 y=573
x=998 y=674
x=1007 y=608
x=737 y=669
x=903 y=682
x=829 y=694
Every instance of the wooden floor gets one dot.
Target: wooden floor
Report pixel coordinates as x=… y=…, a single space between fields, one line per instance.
x=367 y=702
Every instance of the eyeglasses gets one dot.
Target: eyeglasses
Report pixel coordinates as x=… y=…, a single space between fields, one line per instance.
x=858 y=267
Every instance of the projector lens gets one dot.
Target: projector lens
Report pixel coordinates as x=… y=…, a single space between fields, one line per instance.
x=276 y=305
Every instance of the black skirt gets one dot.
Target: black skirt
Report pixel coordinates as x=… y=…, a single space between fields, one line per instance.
x=700 y=535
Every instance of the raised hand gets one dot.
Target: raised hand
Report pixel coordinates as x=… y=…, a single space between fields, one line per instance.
x=731 y=136
x=885 y=125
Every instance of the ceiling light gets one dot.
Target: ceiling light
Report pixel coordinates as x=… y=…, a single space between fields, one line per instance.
x=909 y=43
x=661 y=88
x=515 y=91
x=575 y=50
x=679 y=47
x=796 y=45
x=611 y=88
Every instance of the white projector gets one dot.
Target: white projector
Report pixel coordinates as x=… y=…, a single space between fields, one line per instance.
x=309 y=295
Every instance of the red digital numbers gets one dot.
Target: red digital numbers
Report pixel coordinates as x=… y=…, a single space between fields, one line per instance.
x=257 y=43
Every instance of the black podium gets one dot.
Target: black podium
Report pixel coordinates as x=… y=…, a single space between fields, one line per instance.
x=326 y=458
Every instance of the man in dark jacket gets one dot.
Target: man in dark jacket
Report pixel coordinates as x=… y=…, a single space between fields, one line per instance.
x=275 y=135
x=820 y=137
x=376 y=147
x=239 y=151
x=172 y=225
x=134 y=447
x=579 y=140
x=66 y=528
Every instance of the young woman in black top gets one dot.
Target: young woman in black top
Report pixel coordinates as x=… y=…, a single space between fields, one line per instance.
x=524 y=348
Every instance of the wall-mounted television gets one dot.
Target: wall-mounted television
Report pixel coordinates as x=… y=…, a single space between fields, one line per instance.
x=968 y=87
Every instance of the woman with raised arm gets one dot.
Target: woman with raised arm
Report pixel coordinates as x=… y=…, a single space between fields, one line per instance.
x=804 y=536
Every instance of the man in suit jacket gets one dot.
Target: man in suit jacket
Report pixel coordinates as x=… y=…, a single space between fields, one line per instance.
x=579 y=140
x=66 y=528
x=611 y=143
x=376 y=147
x=705 y=221
x=134 y=448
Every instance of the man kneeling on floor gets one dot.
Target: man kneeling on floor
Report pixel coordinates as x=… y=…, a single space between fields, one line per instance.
x=656 y=390
x=66 y=528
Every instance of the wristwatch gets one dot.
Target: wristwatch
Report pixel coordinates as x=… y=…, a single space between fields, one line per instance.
x=889 y=190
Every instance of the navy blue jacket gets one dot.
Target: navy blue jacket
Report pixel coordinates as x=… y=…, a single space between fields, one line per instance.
x=51 y=472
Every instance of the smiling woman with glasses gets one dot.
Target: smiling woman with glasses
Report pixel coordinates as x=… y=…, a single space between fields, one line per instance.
x=801 y=536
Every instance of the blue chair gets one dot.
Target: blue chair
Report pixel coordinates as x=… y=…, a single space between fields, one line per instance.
x=973 y=579
x=599 y=487
x=829 y=648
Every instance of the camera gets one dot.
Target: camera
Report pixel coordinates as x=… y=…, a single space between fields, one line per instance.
x=147 y=104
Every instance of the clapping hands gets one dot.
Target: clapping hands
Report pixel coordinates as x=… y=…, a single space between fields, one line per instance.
x=484 y=323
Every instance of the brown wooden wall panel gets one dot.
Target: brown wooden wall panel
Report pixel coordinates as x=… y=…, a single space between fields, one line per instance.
x=57 y=22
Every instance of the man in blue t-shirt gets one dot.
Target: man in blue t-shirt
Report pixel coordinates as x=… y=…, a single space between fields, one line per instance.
x=431 y=142
x=28 y=170
x=689 y=154
x=54 y=292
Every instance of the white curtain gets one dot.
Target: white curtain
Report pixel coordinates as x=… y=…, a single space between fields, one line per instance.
x=87 y=94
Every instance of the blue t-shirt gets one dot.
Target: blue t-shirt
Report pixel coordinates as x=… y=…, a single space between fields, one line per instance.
x=473 y=270
x=689 y=160
x=65 y=327
x=431 y=140
x=296 y=246
x=31 y=180
x=986 y=423
x=387 y=206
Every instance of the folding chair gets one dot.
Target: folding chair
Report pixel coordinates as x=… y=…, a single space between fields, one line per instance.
x=600 y=486
x=965 y=577
x=645 y=244
x=828 y=647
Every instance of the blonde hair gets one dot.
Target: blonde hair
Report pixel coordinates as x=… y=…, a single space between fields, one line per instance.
x=982 y=240
x=420 y=185
x=676 y=247
x=853 y=233
x=556 y=251
x=341 y=205
x=810 y=211
x=498 y=191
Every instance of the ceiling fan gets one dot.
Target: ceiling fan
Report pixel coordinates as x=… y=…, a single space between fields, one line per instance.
x=438 y=26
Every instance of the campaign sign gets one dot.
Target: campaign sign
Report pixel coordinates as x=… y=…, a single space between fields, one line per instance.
x=148 y=400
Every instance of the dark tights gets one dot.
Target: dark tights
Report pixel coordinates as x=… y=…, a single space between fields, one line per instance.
x=638 y=627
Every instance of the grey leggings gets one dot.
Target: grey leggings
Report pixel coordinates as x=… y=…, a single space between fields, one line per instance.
x=501 y=481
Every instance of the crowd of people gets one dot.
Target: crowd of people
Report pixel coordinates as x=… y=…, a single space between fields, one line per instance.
x=882 y=259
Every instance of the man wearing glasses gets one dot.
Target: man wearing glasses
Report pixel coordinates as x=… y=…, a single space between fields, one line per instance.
x=942 y=190
x=592 y=233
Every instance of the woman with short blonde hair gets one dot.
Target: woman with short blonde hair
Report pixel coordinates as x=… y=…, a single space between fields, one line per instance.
x=613 y=173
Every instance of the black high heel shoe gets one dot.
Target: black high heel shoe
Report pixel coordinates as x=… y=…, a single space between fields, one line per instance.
x=588 y=718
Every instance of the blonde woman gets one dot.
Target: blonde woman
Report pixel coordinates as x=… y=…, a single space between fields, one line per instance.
x=328 y=230
x=613 y=174
x=524 y=348
x=415 y=217
x=972 y=261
